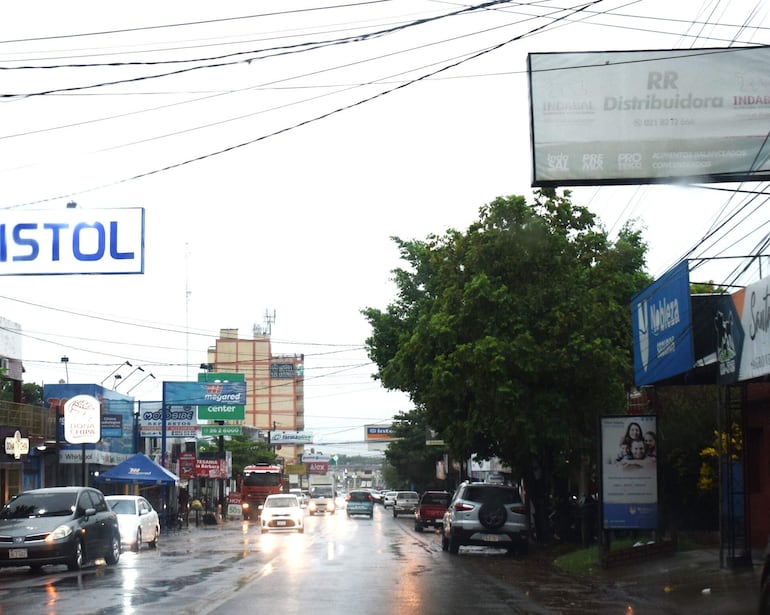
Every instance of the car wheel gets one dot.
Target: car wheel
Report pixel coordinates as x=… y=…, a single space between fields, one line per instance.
x=138 y=543
x=371 y=515
x=492 y=515
x=154 y=542
x=444 y=542
x=417 y=527
x=348 y=515
x=395 y=514
x=454 y=544
x=76 y=563
x=113 y=554
x=264 y=531
x=301 y=530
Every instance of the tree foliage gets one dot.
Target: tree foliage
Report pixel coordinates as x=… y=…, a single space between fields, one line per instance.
x=413 y=462
x=516 y=334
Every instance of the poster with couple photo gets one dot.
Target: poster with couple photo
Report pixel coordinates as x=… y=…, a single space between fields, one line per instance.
x=629 y=472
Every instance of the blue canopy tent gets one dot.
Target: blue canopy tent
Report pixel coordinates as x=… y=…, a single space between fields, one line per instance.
x=141 y=471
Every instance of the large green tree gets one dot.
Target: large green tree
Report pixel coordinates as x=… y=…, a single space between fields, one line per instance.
x=413 y=461
x=516 y=334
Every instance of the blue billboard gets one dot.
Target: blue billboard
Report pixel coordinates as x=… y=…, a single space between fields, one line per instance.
x=204 y=393
x=662 y=327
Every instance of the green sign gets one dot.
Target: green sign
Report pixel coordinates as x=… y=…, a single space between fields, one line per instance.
x=221 y=377
x=221 y=430
x=222 y=412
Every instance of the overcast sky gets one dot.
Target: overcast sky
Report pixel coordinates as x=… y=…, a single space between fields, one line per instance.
x=276 y=148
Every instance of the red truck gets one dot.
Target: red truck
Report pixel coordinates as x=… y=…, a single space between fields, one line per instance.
x=259 y=481
x=430 y=510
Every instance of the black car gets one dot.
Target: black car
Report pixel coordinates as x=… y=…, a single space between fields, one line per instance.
x=58 y=525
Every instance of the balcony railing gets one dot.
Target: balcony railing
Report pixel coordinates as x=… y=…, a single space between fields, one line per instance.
x=36 y=420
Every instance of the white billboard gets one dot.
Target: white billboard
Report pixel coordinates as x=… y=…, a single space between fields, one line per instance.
x=72 y=241
x=619 y=117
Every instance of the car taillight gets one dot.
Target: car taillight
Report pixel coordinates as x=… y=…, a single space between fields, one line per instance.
x=460 y=506
x=347 y=497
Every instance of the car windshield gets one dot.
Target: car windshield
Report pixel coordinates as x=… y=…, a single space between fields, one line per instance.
x=493 y=494
x=435 y=498
x=122 y=507
x=28 y=505
x=360 y=496
x=281 y=502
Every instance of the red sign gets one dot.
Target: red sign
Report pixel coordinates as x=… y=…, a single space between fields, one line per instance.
x=210 y=468
x=186 y=465
x=234 y=498
x=317 y=467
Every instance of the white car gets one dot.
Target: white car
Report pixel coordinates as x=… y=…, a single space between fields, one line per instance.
x=389 y=498
x=281 y=511
x=300 y=496
x=137 y=519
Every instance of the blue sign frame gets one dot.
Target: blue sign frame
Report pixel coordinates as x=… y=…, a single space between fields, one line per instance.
x=662 y=327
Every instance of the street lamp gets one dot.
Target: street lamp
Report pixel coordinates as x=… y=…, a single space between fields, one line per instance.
x=136 y=369
x=65 y=360
x=140 y=382
x=114 y=371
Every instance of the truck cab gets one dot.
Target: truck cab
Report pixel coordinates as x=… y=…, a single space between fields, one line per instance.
x=322 y=499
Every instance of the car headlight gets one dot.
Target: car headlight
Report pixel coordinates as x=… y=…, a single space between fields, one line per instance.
x=63 y=531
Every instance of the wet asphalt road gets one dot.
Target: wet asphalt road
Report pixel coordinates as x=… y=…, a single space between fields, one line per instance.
x=361 y=566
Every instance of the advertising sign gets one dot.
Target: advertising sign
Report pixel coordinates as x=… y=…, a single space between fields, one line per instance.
x=662 y=327
x=204 y=393
x=72 y=241
x=317 y=467
x=291 y=437
x=755 y=321
x=379 y=433
x=210 y=468
x=180 y=421
x=282 y=370
x=112 y=426
x=629 y=457
x=82 y=423
x=186 y=465
x=649 y=116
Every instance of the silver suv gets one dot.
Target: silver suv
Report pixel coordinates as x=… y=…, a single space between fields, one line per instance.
x=486 y=514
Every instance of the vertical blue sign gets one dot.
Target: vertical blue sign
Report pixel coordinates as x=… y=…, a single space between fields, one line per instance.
x=662 y=327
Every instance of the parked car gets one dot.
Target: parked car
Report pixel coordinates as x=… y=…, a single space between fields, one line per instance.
x=359 y=502
x=405 y=503
x=137 y=519
x=430 y=510
x=388 y=498
x=58 y=525
x=486 y=514
x=281 y=511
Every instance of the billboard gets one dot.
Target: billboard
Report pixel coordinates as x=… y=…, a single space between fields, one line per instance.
x=621 y=117
x=662 y=327
x=629 y=472
x=72 y=241
x=755 y=322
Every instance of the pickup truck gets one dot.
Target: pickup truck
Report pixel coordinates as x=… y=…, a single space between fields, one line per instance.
x=430 y=510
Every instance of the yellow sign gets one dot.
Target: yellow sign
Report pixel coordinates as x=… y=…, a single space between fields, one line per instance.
x=296 y=468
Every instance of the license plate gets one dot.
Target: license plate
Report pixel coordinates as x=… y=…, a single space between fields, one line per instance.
x=17 y=554
x=280 y=523
x=493 y=538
